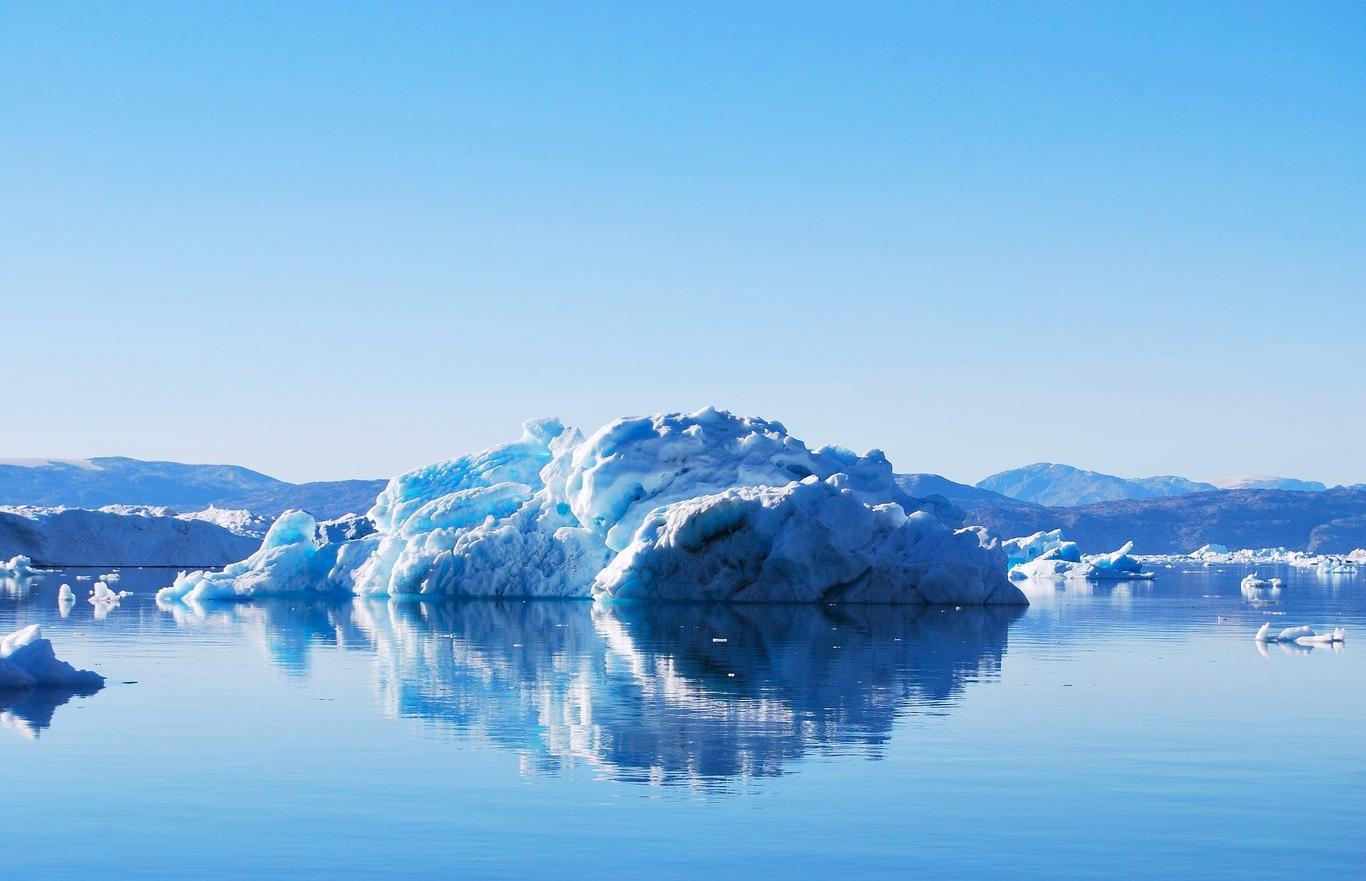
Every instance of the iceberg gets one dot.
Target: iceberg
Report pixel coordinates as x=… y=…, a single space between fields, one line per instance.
x=1253 y=586
x=104 y=595
x=27 y=660
x=1301 y=635
x=810 y=541
x=1030 y=547
x=615 y=514
x=19 y=566
x=1065 y=561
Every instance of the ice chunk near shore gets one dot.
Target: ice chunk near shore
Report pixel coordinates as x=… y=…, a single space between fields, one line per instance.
x=808 y=541
x=546 y=514
x=27 y=660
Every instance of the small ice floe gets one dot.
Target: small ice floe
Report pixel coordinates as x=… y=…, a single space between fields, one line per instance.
x=1301 y=635
x=105 y=599
x=27 y=660
x=110 y=577
x=1254 y=587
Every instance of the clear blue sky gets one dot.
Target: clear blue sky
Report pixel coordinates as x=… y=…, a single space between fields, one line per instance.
x=341 y=240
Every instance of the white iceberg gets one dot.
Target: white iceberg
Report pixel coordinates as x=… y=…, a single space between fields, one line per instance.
x=1254 y=586
x=1031 y=547
x=19 y=566
x=103 y=594
x=806 y=542
x=27 y=660
x=551 y=514
x=1301 y=635
x=1065 y=561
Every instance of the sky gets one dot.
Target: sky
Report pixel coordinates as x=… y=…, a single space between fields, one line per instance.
x=343 y=240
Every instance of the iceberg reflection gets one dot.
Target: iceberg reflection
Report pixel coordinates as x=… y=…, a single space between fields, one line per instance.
x=29 y=711
x=665 y=694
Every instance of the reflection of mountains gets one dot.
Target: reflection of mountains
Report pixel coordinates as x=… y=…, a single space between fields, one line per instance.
x=656 y=693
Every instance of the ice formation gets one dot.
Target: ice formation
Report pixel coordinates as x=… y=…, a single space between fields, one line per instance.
x=19 y=566
x=104 y=594
x=1301 y=635
x=613 y=515
x=28 y=661
x=806 y=542
x=1061 y=559
x=1030 y=547
x=1254 y=586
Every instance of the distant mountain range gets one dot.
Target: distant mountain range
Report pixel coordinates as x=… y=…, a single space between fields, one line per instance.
x=1098 y=511
x=1047 y=483
x=115 y=480
x=1328 y=521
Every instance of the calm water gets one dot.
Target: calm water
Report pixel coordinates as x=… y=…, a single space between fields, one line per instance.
x=1103 y=733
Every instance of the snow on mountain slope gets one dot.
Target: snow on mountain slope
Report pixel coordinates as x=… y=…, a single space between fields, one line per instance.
x=1046 y=483
x=116 y=480
x=1268 y=482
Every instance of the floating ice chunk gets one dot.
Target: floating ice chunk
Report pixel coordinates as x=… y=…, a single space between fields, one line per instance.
x=1030 y=547
x=1336 y=635
x=1302 y=635
x=288 y=561
x=805 y=542
x=1065 y=562
x=1253 y=586
x=27 y=660
x=18 y=566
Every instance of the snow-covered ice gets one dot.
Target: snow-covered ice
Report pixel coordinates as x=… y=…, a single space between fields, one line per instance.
x=806 y=542
x=1030 y=547
x=1063 y=560
x=1301 y=635
x=27 y=660
x=18 y=566
x=1254 y=586
x=555 y=514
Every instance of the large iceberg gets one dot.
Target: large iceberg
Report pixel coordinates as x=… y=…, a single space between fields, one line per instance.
x=706 y=505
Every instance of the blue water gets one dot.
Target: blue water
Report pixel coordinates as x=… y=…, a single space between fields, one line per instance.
x=1105 y=732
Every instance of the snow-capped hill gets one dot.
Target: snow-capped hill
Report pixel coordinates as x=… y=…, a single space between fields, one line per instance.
x=116 y=480
x=1269 y=482
x=1046 y=483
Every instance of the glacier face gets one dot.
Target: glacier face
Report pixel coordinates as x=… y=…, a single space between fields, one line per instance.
x=706 y=505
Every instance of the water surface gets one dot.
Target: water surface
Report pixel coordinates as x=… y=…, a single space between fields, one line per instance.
x=1106 y=731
